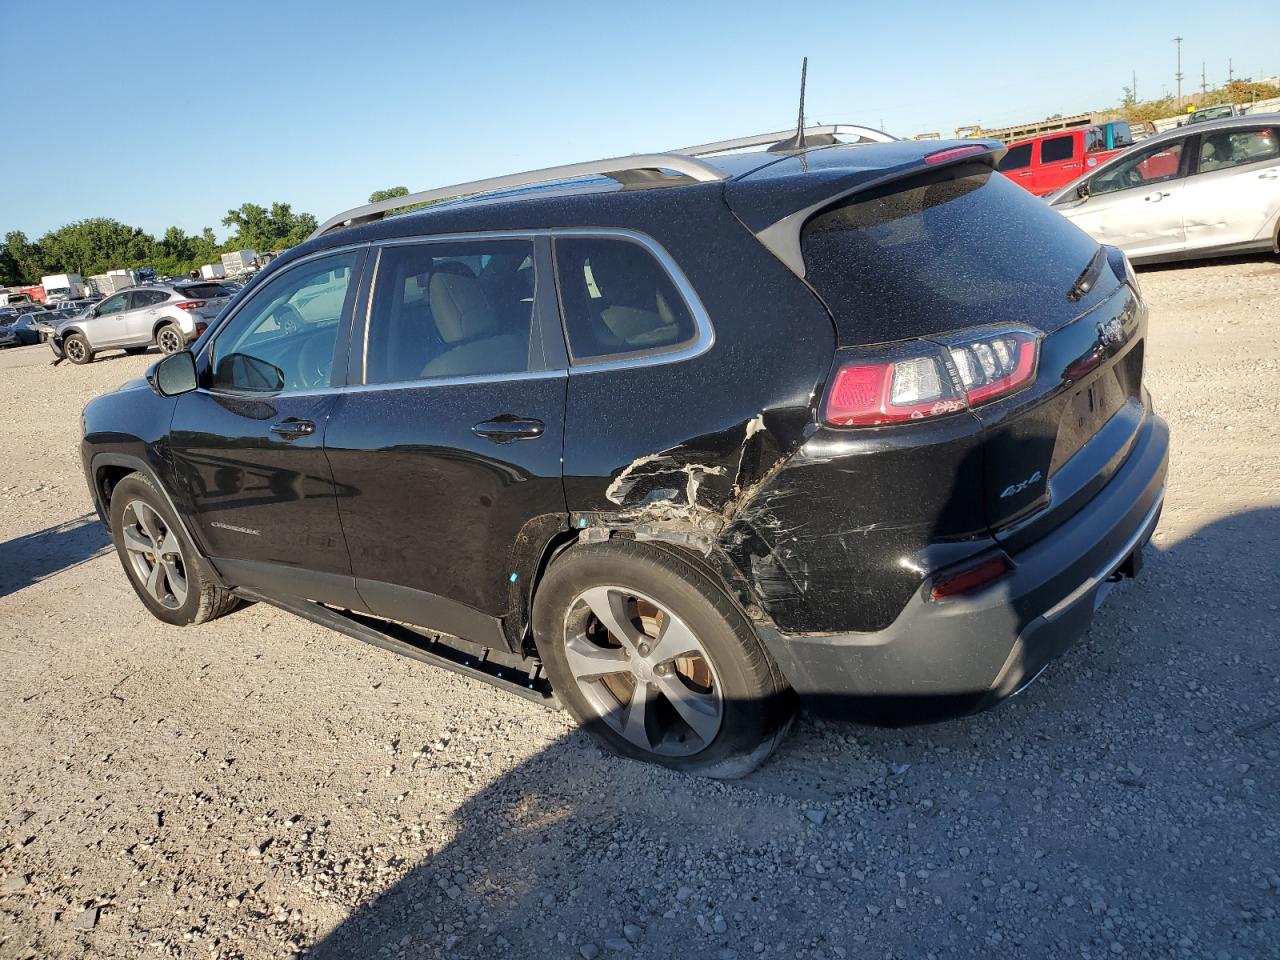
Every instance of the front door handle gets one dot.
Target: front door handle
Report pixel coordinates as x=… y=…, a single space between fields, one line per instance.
x=292 y=428
x=506 y=428
x=1269 y=174
x=1155 y=197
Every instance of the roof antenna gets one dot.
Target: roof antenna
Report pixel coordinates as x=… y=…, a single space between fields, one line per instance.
x=797 y=142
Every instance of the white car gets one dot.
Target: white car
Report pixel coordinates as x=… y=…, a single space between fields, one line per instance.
x=169 y=315
x=1205 y=190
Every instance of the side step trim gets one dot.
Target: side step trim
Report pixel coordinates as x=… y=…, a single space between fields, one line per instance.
x=527 y=680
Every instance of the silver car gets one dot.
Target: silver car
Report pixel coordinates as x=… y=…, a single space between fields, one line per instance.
x=169 y=315
x=1205 y=190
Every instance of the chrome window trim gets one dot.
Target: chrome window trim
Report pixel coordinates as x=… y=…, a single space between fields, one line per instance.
x=224 y=321
x=704 y=337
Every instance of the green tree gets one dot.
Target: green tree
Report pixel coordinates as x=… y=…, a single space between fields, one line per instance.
x=388 y=193
x=27 y=258
x=8 y=268
x=257 y=228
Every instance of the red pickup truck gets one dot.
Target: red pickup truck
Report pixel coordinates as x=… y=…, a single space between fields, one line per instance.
x=1045 y=163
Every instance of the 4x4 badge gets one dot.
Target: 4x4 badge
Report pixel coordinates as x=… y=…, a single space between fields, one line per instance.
x=1013 y=488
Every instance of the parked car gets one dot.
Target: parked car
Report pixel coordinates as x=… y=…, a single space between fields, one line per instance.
x=1043 y=164
x=1219 y=112
x=861 y=423
x=27 y=329
x=167 y=315
x=1207 y=190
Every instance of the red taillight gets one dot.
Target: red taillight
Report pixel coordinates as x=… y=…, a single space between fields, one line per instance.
x=201 y=328
x=955 y=153
x=927 y=379
x=190 y=304
x=965 y=579
x=867 y=394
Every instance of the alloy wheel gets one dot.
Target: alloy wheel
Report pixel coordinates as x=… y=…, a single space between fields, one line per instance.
x=643 y=671
x=154 y=554
x=75 y=350
x=169 y=342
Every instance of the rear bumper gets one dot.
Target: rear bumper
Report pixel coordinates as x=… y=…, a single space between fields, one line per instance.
x=943 y=658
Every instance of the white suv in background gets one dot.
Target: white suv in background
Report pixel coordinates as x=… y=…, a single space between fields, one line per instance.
x=167 y=315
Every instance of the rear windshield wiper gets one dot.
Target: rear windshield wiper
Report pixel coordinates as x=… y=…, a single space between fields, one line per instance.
x=1084 y=283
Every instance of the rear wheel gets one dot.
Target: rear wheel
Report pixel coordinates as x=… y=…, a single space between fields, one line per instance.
x=169 y=338
x=649 y=654
x=170 y=578
x=77 y=349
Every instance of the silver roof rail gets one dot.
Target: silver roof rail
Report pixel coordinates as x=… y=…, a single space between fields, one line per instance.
x=645 y=166
x=769 y=139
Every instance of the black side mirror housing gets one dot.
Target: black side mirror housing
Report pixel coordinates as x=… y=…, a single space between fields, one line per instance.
x=174 y=375
x=1082 y=190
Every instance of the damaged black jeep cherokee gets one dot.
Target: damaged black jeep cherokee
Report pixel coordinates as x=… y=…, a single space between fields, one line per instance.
x=671 y=439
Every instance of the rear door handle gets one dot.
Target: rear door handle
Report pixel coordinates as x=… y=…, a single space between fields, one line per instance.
x=292 y=428
x=506 y=428
x=1155 y=197
x=1269 y=175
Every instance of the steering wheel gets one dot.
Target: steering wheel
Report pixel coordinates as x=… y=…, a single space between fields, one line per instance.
x=287 y=318
x=315 y=360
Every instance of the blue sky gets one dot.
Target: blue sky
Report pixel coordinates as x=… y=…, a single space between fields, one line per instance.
x=189 y=111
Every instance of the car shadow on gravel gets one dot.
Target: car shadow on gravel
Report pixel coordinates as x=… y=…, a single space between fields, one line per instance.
x=853 y=838
x=37 y=556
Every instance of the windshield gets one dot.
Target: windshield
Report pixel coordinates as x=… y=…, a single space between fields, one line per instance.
x=942 y=252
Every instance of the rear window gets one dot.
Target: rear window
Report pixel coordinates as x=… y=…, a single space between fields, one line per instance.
x=1057 y=149
x=205 y=291
x=944 y=251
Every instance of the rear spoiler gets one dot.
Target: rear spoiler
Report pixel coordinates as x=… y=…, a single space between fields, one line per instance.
x=776 y=219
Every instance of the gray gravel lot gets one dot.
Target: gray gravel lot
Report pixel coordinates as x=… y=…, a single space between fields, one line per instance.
x=259 y=786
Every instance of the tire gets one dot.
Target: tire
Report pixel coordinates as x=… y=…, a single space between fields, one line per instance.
x=134 y=351
x=169 y=338
x=656 y=599
x=76 y=349
x=185 y=591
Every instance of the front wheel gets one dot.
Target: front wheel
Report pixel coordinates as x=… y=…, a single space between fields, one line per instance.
x=77 y=349
x=163 y=567
x=169 y=338
x=651 y=656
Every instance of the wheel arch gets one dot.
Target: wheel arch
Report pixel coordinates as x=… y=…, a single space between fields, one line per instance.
x=109 y=468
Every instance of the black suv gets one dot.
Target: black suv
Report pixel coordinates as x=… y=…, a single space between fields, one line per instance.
x=670 y=439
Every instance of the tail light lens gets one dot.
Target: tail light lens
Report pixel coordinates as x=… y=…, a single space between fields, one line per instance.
x=201 y=328
x=924 y=378
x=969 y=576
x=190 y=305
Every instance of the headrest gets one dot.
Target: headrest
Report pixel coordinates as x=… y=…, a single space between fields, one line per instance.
x=623 y=273
x=458 y=305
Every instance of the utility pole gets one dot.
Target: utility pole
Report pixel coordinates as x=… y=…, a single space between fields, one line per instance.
x=1204 y=87
x=1133 y=90
x=1229 y=77
x=1178 y=75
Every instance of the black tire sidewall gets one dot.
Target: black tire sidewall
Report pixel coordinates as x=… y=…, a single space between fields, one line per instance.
x=133 y=488
x=755 y=709
x=169 y=327
x=88 y=352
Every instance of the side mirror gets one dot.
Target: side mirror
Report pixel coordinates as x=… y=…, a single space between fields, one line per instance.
x=1082 y=190
x=174 y=375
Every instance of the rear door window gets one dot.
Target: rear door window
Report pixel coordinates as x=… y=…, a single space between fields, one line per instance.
x=451 y=309
x=1057 y=149
x=1017 y=158
x=1235 y=148
x=943 y=251
x=618 y=300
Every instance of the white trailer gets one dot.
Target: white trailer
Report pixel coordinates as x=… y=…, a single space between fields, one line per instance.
x=239 y=262
x=105 y=284
x=212 y=271
x=62 y=286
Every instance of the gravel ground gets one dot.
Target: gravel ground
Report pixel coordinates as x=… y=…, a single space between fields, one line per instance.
x=261 y=786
